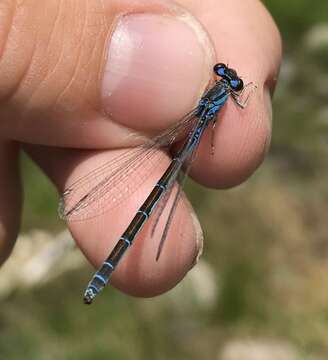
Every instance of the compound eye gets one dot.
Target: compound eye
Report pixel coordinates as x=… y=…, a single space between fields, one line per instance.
x=220 y=69
x=237 y=84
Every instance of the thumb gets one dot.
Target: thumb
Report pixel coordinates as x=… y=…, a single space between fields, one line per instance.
x=78 y=73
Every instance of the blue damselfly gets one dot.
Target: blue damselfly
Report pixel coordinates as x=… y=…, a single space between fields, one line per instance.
x=108 y=182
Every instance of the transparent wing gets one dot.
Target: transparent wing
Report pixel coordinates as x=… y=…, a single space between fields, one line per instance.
x=111 y=183
x=181 y=178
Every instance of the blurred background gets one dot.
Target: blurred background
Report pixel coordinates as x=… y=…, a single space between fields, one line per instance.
x=260 y=290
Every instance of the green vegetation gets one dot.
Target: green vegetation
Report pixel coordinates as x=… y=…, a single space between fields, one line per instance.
x=269 y=260
x=40 y=201
x=295 y=17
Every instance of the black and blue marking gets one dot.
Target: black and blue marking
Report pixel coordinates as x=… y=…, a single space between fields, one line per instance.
x=208 y=107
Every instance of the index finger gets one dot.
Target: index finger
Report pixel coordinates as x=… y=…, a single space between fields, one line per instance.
x=246 y=37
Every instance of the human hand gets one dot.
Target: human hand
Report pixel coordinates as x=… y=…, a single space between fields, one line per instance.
x=77 y=78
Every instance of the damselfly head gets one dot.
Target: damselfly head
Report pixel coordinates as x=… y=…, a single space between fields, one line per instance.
x=230 y=75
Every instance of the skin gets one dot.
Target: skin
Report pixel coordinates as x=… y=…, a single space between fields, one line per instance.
x=56 y=105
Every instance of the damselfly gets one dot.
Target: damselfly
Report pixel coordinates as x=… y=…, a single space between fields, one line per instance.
x=114 y=181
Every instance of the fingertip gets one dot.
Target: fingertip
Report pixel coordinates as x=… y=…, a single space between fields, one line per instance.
x=242 y=137
x=142 y=275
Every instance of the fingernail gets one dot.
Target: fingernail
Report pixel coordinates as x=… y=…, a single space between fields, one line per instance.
x=157 y=67
x=268 y=104
x=199 y=239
